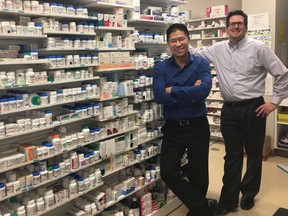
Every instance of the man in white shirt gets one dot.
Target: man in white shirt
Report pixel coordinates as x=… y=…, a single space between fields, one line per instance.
x=242 y=64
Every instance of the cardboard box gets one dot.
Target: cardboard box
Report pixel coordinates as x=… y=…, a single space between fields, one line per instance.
x=217 y=11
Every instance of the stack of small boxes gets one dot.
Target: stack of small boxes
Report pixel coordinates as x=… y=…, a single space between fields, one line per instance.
x=146 y=204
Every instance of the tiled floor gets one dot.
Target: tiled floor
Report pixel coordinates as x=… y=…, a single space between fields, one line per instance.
x=274 y=187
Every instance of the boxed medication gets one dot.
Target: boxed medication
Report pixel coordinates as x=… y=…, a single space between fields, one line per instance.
x=29 y=150
x=216 y=11
x=157 y=11
x=104 y=60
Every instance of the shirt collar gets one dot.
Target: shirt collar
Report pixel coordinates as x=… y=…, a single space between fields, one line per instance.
x=191 y=58
x=239 y=43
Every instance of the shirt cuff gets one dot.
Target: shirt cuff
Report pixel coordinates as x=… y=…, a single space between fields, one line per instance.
x=276 y=100
x=174 y=89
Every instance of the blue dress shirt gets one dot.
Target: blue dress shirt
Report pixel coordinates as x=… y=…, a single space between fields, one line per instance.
x=186 y=101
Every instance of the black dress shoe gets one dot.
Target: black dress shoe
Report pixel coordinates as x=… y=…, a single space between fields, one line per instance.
x=223 y=210
x=211 y=207
x=209 y=210
x=247 y=202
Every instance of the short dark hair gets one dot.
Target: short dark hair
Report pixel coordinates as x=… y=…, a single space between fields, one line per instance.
x=177 y=26
x=237 y=12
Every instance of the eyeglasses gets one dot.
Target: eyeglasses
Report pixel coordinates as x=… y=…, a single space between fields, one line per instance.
x=180 y=40
x=239 y=24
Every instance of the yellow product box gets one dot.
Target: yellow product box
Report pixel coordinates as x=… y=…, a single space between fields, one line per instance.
x=283 y=116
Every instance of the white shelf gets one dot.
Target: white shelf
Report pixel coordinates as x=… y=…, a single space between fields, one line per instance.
x=53 y=32
x=18 y=61
x=215 y=89
x=208 y=28
x=49 y=105
x=141 y=44
x=108 y=28
x=147 y=22
x=215 y=136
x=162 y=3
x=103 y=5
x=116 y=117
x=282 y=123
x=58 y=49
x=215 y=38
x=20 y=36
x=115 y=98
x=49 y=83
x=213 y=114
x=15 y=12
x=72 y=66
x=214 y=124
x=121 y=69
x=216 y=107
x=214 y=99
x=284 y=147
x=206 y=19
x=212 y=38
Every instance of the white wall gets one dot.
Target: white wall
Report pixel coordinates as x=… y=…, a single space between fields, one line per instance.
x=281 y=17
x=262 y=6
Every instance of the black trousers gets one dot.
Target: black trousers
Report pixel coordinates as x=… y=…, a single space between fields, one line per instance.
x=195 y=138
x=241 y=128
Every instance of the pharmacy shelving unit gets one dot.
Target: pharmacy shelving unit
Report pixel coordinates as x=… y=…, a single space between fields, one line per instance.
x=43 y=64
x=281 y=128
x=154 y=50
x=214 y=103
x=206 y=31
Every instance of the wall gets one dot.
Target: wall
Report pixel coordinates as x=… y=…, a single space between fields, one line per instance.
x=198 y=9
x=281 y=18
x=267 y=6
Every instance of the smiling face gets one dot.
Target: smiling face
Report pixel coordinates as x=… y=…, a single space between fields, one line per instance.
x=178 y=43
x=236 y=29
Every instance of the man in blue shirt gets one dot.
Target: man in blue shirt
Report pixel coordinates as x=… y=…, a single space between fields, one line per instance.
x=181 y=83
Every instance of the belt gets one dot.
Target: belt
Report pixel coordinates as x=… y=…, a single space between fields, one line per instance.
x=243 y=102
x=185 y=122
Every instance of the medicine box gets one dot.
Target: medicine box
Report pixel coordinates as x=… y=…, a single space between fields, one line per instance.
x=115 y=59
x=104 y=60
x=216 y=11
x=154 y=10
x=29 y=150
x=125 y=59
